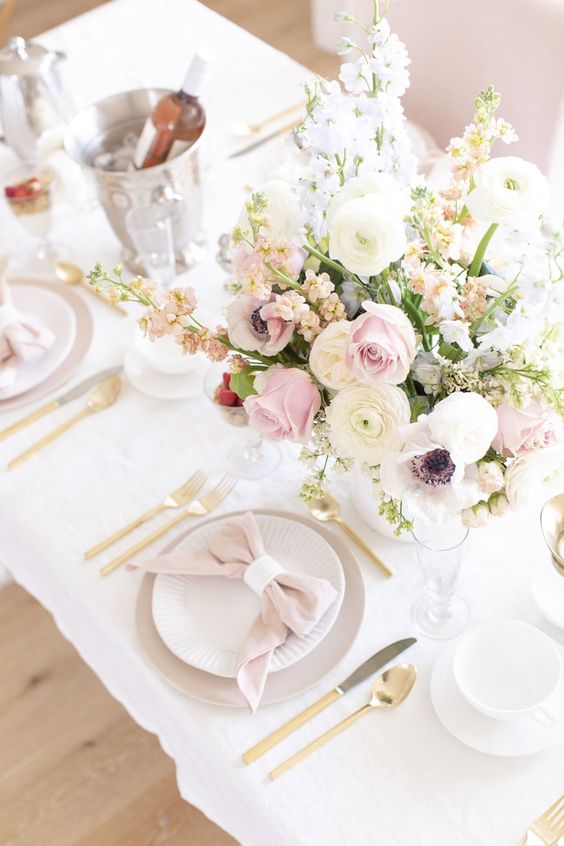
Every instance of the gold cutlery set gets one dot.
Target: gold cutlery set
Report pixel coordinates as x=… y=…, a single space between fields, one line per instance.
x=548 y=829
x=104 y=390
x=389 y=690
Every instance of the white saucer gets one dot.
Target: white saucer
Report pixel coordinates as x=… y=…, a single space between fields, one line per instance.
x=548 y=592
x=155 y=383
x=508 y=738
x=50 y=310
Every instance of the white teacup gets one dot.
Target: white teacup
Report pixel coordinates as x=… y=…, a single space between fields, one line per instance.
x=166 y=356
x=507 y=669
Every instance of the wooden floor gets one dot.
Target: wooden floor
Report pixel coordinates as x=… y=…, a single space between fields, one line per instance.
x=75 y=770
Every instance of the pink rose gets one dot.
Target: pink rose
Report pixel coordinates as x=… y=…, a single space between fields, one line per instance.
x=251 y=326
x=525 y=429
x=286 y=407
x=381 y=345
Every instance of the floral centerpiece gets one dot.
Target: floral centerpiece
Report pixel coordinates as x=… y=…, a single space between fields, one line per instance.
x=416 y=331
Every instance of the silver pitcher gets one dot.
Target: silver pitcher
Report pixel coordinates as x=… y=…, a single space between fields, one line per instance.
x=33 y=106
x=103 y=129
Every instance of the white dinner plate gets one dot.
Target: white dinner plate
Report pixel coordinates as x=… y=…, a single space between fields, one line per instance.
x=507 y=738
x=53 y=312
x=296 y=679
x=205 y=620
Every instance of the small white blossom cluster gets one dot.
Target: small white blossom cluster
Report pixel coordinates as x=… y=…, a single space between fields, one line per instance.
x=359 y=130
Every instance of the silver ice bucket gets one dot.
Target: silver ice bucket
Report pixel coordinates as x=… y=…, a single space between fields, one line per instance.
x=102 y=128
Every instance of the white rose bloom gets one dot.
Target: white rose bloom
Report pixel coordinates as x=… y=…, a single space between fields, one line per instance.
x=371 y=183
x=363 y=421
x=327 y=356
x=535 y=475
x=283 y=210
x=465 y=424
x=509 y=191
x=367 y=234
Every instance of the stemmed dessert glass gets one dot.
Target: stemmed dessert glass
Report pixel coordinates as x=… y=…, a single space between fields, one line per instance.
x=28 y=192
x=254 y=458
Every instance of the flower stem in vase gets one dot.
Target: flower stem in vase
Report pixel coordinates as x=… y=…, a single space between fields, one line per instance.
x=439 y=612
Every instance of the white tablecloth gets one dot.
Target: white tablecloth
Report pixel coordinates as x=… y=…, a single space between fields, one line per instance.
x=391 y=779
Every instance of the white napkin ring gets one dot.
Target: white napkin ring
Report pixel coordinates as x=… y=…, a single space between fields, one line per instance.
x=261 y=572
x=8 y=315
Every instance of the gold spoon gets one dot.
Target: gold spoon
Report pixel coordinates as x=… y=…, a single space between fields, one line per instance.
x=101 y=397
x=70 y=274
x=388 y=691
x=327 y=510
x=249 y=130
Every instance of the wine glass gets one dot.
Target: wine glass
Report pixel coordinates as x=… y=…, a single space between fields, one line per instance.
x=254 y=458
x=150 y=228
x=28 y=193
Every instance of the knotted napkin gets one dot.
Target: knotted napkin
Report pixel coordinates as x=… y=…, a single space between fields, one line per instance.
x=289 y=601
x=22 y=339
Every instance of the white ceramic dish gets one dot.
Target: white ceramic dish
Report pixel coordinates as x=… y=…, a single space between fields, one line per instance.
x=49 y=309
x=279 y=686
x=206 y=620
x=77 y=352
x=154 y=383
x=506 y=738
x=548 y=593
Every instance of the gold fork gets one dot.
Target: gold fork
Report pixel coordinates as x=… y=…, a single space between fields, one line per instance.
x=549 y=828
x=177 y=499
x=197 y=508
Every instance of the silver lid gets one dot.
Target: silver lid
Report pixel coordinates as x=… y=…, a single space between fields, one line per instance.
x=21 y=57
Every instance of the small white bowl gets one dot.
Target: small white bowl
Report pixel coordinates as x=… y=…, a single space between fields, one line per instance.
x=507 y=669
x=166 y=356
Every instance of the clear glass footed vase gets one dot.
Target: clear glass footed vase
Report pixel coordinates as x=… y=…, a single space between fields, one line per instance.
x=440 y=612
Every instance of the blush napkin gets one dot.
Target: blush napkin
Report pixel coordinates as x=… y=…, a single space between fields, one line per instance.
x=22 y=339
x=289 y=601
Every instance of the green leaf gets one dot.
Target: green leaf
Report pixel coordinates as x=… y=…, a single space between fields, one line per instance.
x=451 y=351
x=243 y=382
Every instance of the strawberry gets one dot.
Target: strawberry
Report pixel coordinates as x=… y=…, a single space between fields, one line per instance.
x=239 y=402
x=10 y=191
x=226 y=380
x=33 y=185
x=20 y=191
x=227 y=397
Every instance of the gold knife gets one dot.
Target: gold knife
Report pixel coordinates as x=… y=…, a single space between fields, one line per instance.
x=74 y=393
x=371 y=666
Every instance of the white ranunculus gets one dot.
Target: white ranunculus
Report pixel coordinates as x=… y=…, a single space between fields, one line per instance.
x=535 y=475
x=382 y=184
x=465 y=424
x=283 y=210
x=366 y=234
x=509 y=191
x=363 y=421
x=327 y=356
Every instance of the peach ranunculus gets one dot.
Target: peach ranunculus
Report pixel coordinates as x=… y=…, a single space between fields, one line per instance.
x=286 y=407
x=252 y=326
x=381 y=345
x=525 y=429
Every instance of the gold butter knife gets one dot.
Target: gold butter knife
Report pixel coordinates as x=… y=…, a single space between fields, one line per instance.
x=74 y=393
x=371 y=666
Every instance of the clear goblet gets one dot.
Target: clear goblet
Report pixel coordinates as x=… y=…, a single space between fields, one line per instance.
x=28 y=192
x=440 y=613
x=150 y=228
x=254 y=458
